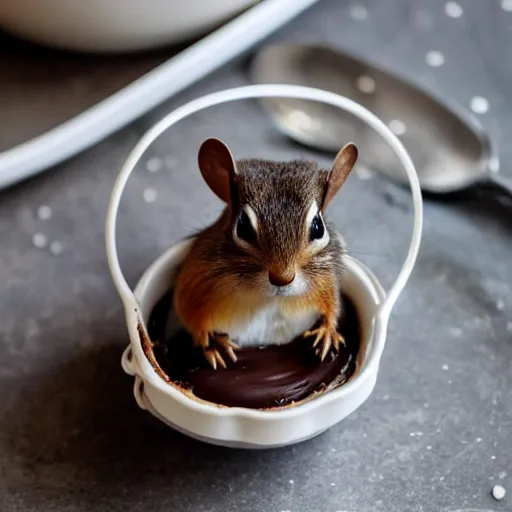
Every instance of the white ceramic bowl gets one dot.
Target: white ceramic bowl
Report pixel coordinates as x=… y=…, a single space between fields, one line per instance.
x=235 y=426
x=114 y=25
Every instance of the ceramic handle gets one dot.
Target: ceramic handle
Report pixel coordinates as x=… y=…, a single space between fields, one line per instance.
x=127 y=361
x=503 y=182
x=138 y=392
x=265 y=91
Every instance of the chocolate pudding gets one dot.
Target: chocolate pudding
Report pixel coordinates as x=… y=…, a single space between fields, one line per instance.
x=262 y=378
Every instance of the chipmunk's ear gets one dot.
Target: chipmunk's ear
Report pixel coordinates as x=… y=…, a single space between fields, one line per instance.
x=218 y=168
x=343 y=164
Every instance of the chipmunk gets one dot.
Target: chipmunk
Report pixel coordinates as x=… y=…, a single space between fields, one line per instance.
x=269 y=268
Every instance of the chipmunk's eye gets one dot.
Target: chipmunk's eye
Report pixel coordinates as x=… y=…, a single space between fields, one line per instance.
x=317 y=229
x=244 y=228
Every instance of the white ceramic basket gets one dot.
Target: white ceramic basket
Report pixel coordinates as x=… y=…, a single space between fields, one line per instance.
x=235 y=426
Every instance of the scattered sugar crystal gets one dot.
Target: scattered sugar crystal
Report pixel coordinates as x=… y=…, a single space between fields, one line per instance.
x=56 y=248
x=366 y=84
x=479 y=105
x=44 y=212
x=506 y=5
x=453 y=10
x=359 y=13
x=434 y=58
x=397 y=127
x=39 y=240
x=154 y=164
x=150 y=195
x=498 y=492
x=494 y=164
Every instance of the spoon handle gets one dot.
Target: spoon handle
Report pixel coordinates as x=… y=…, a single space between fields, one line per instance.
x=504 y=182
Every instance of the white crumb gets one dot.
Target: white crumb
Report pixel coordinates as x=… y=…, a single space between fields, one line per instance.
x=434 y=58
x=150 y=195
x=445 y=367
x=366 y=84
x=397 y=127
x=453 y=10
x=498 y=492
x=479 y=105
x=506 y=5
x=154 y=164
x=44 y=212
x=56 y=248
x=359 y=13
x=39 y=240
x=494 y=164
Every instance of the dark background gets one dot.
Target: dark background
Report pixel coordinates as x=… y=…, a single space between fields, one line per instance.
x=429 y=439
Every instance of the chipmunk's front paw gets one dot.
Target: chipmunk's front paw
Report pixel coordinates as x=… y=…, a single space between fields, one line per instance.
x=326 y=337
x=213 y=343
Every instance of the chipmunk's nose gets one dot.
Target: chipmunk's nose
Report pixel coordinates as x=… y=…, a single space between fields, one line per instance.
x=281 y=279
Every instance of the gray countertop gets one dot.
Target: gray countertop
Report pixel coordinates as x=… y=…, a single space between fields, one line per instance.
x=436 y=434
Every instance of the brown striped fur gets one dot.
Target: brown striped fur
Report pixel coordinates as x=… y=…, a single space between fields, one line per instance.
x=221 y=282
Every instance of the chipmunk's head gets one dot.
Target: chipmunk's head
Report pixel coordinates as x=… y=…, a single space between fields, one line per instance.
x=275 y=216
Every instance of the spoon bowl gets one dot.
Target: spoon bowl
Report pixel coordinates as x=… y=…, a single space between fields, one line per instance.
x=449 y=147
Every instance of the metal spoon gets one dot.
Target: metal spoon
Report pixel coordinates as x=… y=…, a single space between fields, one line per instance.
x=450 y=148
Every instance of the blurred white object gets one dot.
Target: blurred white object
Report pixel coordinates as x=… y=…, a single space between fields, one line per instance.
x=126 y=105
x=115 y=25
